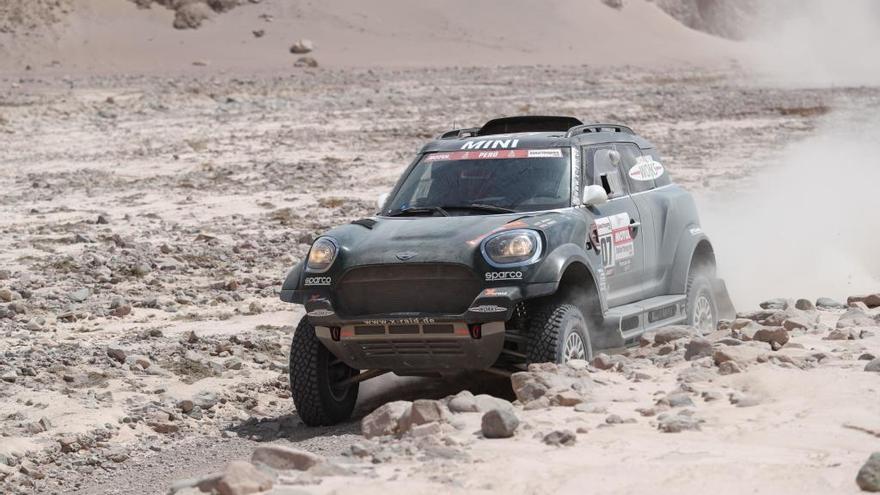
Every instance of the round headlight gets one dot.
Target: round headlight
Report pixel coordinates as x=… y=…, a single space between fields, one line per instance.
x=514 y=247
x=322 y=255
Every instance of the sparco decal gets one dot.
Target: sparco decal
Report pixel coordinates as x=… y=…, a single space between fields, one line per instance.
x=320 y=313
x=317 y=281
x=491 y=276
x=493 y=144
x=487 y=308
x=399 y=321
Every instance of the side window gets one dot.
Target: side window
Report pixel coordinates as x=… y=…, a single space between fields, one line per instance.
x=599 y=169
x=637 y=168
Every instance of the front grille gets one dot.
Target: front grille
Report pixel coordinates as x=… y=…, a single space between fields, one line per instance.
x=412 y=348
x=410 y=288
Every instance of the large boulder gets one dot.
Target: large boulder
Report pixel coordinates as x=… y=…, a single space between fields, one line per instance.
x=243 y=478
x=285 y=458
x=385 y=420
x=871 y=300
x=499 y=423
x=868 y=477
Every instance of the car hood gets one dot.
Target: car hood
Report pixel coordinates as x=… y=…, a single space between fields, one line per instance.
x=453 y=239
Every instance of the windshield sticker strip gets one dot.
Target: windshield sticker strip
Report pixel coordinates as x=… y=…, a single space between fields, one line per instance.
x=493 y=155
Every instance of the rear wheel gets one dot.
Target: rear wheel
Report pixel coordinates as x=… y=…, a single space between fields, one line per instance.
x=701 y=309
x=558 y=333
x=315 y=380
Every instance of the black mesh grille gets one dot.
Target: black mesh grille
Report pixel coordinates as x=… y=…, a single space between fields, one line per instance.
x=411 y=288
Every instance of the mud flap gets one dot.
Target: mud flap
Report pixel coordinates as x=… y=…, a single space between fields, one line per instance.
x=723 y=303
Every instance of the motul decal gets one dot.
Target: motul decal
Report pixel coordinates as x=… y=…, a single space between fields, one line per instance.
x=615 y=241
x=320 y=313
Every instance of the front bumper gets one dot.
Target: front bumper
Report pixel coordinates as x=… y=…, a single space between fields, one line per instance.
x=415 y=348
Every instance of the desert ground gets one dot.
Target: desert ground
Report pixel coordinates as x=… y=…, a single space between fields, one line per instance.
x=149 y=214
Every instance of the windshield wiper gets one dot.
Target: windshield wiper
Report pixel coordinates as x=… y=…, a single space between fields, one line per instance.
x=481 y=207
x=417 y=210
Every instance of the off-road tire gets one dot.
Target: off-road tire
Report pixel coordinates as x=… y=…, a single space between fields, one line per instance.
x=310 y=380
x=550 y=326
x=698 y=287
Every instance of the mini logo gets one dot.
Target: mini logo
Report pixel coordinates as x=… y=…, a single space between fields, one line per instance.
x=317 y=281
x=491 y=276
x=406 y=256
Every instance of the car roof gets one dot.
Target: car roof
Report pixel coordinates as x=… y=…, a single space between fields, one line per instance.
x=549 y=132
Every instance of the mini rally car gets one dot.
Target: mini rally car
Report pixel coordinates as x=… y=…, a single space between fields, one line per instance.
x=529 y=239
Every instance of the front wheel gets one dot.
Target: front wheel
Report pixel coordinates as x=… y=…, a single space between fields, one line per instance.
x=702 y=311
x=315 y=377
x=558 y=333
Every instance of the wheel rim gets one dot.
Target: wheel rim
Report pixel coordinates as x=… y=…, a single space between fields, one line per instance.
x=574 y=347
x=337 y=372
x=703 y=318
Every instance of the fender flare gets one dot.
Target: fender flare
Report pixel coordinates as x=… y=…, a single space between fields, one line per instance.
x=290 y=288
x=558 y=261
x=684 y=255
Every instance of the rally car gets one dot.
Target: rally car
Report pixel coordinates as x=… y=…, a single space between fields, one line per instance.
x=529 y=239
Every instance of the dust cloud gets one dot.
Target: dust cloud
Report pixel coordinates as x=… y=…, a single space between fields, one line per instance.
x=807 y=226
x=817 y=43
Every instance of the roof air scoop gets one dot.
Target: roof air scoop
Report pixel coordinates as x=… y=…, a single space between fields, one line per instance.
x=536 y=123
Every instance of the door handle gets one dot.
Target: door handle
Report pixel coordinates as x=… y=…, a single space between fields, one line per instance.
x=634 y=227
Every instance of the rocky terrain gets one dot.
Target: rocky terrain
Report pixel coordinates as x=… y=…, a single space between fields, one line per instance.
x=146 y=223
x=754 y=406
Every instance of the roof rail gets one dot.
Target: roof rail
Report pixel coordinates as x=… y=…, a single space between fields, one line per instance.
x=460 y=133
x=583 y=129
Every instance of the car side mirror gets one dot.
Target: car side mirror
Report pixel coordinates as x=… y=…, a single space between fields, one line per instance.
x=380 y=201
x=595 y=195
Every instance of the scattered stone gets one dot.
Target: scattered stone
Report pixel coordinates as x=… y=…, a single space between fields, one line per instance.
x=463 y=402
x=873 y=366
x=424 y=411
x=560 y=438
x=841 y=334
x=677 y=399
x=674 y=332
x=828 y=303
x=309 y=62
x=697 y=348
x=868 y=477
x=566 y=398
x=778 y=336
x=855 y=318
x=871 y=300
x=668 y=423
x=186 y=406
x=79 y=295
x=499 y=423
x=255 y=307
x=867 y=356
x=206 y=399
x=729 y=368
x=302 y=47
x=116 y=353
x=774 y=304
x=804 y=305
x=191 y=15
x=233 y=363
x=285 y=458
x=258 y=33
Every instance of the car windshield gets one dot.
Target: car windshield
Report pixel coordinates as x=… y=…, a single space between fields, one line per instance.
x=485 y=182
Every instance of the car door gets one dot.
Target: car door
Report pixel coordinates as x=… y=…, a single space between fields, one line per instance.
x=639 y=172
x=615 y=226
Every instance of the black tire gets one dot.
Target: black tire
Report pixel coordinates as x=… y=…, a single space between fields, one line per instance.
x=699 y=288
x=550 y=327
x=313 y=371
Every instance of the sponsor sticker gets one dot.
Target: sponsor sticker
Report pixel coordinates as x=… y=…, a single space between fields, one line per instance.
x=320 y=313
x=551 y=153
x=615 y=240
x=495 y=293
x=645 y=169
x=495 y=276
x=487 y=308
x=317 y=281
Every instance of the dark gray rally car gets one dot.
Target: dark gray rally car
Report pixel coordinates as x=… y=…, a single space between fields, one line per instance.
x=529 y=239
